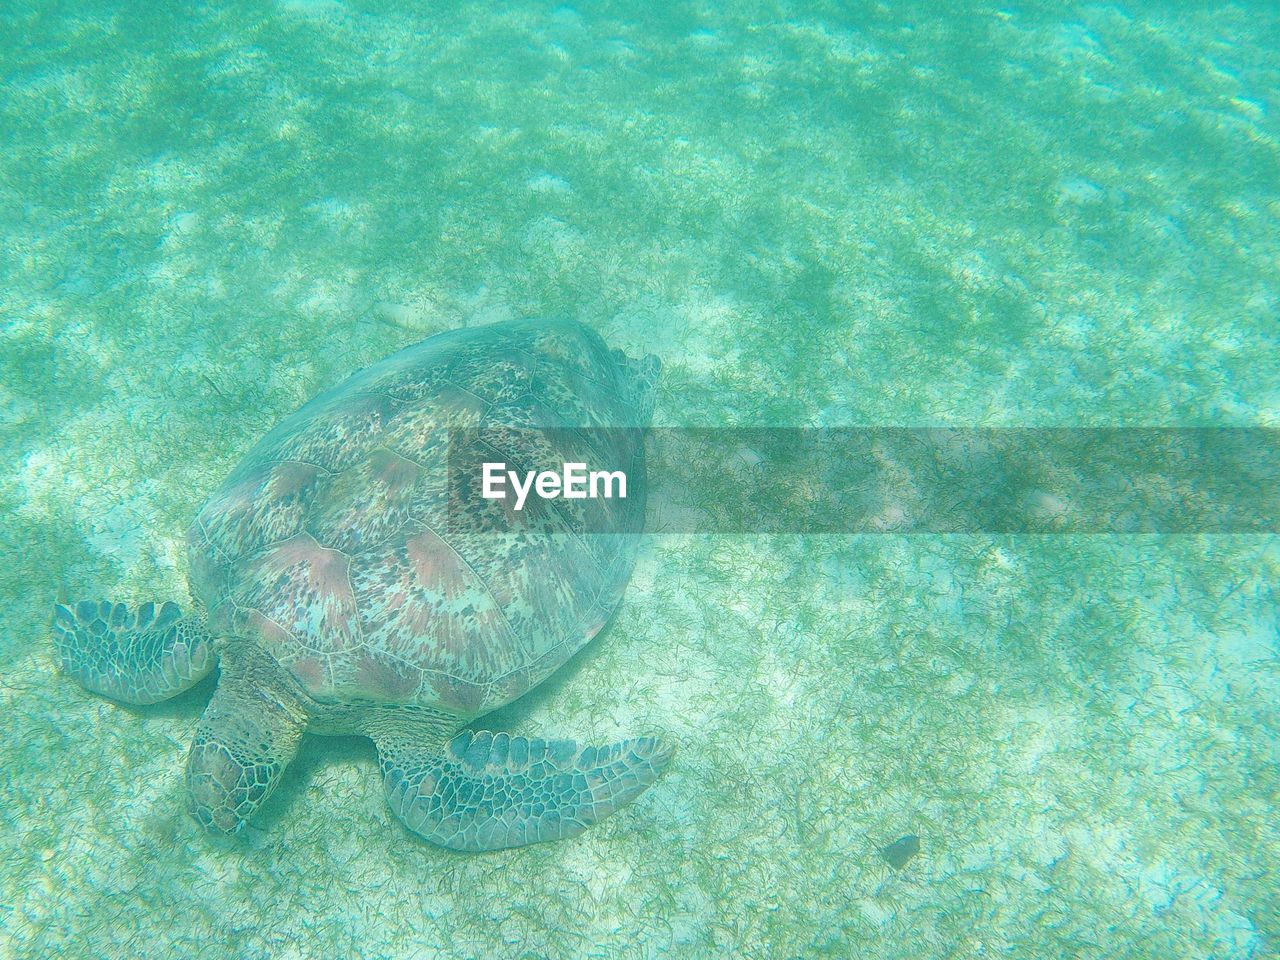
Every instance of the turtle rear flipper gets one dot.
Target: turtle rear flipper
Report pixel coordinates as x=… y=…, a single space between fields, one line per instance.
x=486 y=791
x=139 y=655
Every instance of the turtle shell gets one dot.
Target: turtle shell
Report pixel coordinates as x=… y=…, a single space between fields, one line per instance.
x=346 y=547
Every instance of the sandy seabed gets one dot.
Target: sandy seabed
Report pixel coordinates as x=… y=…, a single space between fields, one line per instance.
x=911 y=216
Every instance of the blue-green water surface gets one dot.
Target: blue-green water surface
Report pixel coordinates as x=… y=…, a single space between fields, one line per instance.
x=816 y=214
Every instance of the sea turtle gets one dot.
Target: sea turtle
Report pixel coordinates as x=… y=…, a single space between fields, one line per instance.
x=345 y=583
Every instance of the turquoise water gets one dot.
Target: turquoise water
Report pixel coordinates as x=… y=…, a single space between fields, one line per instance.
x=910 y=215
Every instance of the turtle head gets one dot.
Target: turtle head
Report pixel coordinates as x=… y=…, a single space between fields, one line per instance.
x=242 y=745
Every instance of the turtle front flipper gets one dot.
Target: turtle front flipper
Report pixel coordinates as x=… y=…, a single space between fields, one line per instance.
x=244 y=741
x=139 y=655
x=486 y=791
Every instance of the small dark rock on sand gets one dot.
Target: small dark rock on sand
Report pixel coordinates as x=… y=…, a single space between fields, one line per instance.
x=898 y=853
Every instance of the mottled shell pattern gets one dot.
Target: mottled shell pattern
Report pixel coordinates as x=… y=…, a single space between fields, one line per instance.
x=335 y=545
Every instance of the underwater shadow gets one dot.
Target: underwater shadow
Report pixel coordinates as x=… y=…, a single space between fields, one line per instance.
x=316 y=753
